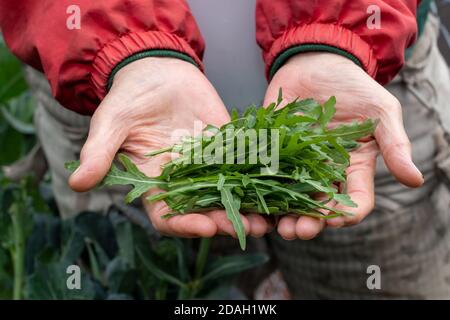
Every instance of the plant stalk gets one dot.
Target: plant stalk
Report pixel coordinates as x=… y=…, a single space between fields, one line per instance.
x=202 y=256
x=200 y=263
x=18 y=253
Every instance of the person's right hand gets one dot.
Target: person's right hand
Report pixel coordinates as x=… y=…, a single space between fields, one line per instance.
x=149 y=99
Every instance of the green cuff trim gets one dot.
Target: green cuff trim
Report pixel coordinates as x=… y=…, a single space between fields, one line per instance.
x=422 y=14
x=288 y=53
x=422 y=18
x=147 y=54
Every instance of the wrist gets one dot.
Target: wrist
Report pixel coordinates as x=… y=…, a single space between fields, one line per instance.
x=142 y=71
x=317 y=64
x=151 y=83
x=309 y=50
x=145 y=58
x=318 y=59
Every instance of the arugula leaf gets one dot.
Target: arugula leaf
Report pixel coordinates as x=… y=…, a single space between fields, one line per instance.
x=261 y=199
x=221 y=182
x=130 y=176
x=355 y=130
x=72 y=165
x=280 y=97
x=345 y=200
x=328 y=113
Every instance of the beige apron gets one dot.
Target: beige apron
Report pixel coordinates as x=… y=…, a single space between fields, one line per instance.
x=408 y=234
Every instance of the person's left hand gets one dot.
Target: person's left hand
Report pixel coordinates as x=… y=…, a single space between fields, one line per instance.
x=359 y=97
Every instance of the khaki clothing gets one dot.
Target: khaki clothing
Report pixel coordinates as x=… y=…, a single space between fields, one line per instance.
x=62 y=133
x=408 y=234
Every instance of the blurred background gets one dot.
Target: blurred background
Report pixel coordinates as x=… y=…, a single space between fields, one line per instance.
x=443 y=8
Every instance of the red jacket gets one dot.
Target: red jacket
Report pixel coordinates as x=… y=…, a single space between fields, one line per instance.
x=79 y=63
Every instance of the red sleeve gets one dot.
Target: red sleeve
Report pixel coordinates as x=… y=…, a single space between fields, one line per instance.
x=79 y=62
x=342 y=25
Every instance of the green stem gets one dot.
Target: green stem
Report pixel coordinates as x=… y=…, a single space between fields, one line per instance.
x=214 y=178
x=202 y=256
x=200 y=263
x=95 y=268
x=18 y=253
x=161 y=291
x=159 y=151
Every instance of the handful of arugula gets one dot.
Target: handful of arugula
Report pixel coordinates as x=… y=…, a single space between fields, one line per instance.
x=311 y=160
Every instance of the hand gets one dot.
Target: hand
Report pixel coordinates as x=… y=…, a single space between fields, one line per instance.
x=150 y=98
x=359 y=97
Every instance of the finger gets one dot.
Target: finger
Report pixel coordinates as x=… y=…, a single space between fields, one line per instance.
x=224 y=225
x=308 y=228
x=396 y=148
x=191 y=225
x=360 y=186
x=258 y=225
x=104 y=140
x=186 y=226
x=286 y=227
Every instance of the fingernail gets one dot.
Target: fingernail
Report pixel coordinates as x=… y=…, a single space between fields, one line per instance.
x=75 y=172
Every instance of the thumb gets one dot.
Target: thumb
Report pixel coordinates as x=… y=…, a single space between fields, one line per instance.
x=104 y=140
x=395 y=148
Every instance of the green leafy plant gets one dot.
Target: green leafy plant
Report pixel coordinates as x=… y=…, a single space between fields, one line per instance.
x=312 y=159
x=120 y=260
x=19 y=202
x=16 y=140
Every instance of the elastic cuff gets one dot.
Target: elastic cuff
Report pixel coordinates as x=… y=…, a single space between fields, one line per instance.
x=285 y=55
x=148 y=54
x=133 y=46
x=320 y=37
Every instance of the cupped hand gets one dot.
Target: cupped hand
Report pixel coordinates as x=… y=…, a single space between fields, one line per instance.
x=149 y=100
x=359 y=97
